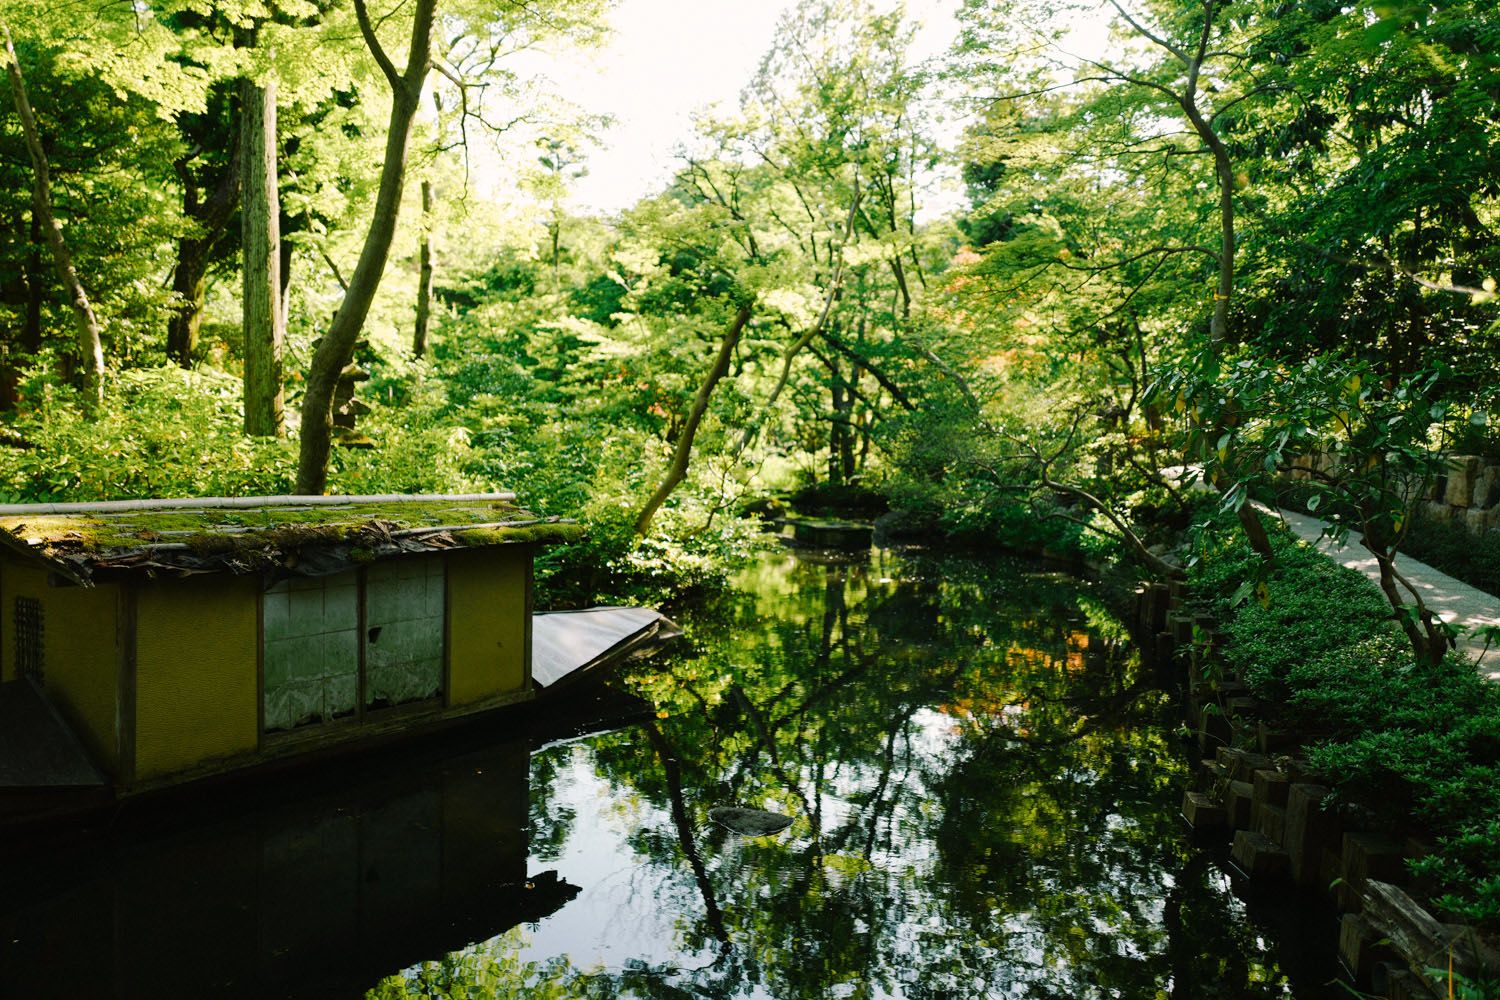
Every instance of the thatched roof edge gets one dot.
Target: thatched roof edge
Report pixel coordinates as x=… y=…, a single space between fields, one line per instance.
x=242 y=503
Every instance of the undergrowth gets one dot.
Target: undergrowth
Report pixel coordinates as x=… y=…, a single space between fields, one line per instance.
x=1408 y=741
x=164 y=432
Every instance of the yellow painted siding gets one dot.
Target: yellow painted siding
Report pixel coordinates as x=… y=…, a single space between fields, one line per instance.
x=488 y=623
x=79 y=653
x=197 y=684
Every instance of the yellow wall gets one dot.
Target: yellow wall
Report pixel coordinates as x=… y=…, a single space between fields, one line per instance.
x=197 y=686
x=79 y=652
x=488 y=623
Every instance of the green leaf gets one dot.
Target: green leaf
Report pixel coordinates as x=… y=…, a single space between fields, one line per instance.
x=1381 y=32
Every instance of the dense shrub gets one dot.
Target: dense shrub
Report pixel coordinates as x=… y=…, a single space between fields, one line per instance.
x=1028 y=527
x=163 y=432
x=166 y=432
x=1409 y=741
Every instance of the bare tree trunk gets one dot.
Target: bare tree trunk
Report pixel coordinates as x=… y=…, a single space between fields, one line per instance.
x=90 y=344
x=1218 y=326
x=260 y=223
x=337 y=347
x=424 y=276
x=189 y=281
x=190 y=274
x=677 y=471
x=31 y=330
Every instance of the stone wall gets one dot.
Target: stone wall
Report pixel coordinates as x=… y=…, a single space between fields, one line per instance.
x=1468 y=494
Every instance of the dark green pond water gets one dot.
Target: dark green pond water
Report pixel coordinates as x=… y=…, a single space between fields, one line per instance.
x=982 y=778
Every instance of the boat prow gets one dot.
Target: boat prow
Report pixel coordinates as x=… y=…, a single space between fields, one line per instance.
x=569 y=646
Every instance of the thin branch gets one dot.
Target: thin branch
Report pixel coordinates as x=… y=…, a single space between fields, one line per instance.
x=367 y=31
x=1140 y=29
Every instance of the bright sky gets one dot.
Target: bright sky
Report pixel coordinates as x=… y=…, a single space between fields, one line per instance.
x=670 y=58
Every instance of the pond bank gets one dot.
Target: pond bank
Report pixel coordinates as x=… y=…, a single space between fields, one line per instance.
x=1254 y=788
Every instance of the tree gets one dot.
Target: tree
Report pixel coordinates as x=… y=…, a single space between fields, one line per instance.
x=424 y=275
x=90 y=347
x=336 y=348
x=260 y=217
x=834 y=112
x=561 y=165
x=208 y=169
x=1115 y=112
x=682 y=452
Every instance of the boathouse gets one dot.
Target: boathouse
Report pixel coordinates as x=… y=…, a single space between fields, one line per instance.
x=177 y=639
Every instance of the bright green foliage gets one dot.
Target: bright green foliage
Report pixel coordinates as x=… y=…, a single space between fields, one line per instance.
x=111 y=167
x=164 y=433
x=1374 y=180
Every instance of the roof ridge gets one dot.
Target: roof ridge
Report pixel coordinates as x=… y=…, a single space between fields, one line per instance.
x=241 y=503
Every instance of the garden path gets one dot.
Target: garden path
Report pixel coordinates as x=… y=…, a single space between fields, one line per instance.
x=1457 y=603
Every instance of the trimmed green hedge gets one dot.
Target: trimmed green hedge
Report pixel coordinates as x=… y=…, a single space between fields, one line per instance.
x=1409 y=742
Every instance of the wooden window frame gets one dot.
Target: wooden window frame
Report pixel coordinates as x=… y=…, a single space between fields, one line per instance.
x=362 y=715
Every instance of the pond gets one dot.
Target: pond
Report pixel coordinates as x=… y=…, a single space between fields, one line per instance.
x=981 y=776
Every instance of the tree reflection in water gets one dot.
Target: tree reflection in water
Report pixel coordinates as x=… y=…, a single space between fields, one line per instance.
x=984 y=793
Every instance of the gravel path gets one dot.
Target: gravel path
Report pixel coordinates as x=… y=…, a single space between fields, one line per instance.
x=1456 y=603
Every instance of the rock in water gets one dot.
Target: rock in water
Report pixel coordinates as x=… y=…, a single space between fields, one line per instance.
x=749 y=822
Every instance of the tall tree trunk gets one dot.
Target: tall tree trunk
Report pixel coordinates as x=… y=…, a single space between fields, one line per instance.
x=337 y=347
x=90 y=345
x=260 y=222
x=677 y=471
x=1250 y=523
x=190 y=275
x=846 y=446
x=424 y=277
x=189 y=280
x=836 y=430
x=31 y=331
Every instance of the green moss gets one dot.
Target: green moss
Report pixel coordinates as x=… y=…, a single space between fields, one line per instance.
x=219 y=529
x=531 y=533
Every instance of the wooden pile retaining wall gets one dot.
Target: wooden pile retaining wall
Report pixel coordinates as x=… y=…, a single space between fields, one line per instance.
x=1253 y=788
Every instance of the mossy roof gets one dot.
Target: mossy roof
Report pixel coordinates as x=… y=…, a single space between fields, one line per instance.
x=275 y=535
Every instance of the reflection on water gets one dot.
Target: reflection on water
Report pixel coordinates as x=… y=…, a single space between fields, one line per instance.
x=983 y=787
x=981 y=778
x=299 y=893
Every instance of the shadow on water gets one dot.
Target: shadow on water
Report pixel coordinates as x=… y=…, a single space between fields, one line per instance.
x=982 y=782
x=311 y=883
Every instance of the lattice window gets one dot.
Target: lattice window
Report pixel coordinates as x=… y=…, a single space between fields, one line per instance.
x=316 y=661
x=29 y=637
